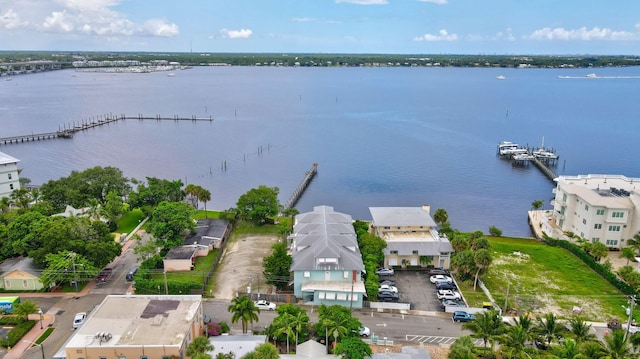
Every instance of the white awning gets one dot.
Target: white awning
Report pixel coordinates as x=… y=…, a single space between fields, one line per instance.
x=334 y=286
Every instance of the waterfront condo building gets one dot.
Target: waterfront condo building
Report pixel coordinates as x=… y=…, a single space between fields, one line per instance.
x=326 y=260
x=598 y=208
x=9 y=180
x=412 y=237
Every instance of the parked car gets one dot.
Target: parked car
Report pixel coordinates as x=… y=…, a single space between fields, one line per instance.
x=104 y=275
x=132 y=272
x=438 y=271
x=633 y=328
x=448 y=294
x=79 y=319
x=388 y=296
x=265 y=305
x=384 y=271
x=460 y=316
x=206 y=319
x=439 y=278
x=389 y=288
x=446 y=285
x=387 y=282
x=365 y=332
x=452 y=303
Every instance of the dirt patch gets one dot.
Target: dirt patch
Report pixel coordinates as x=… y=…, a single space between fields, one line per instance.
x=241 y=266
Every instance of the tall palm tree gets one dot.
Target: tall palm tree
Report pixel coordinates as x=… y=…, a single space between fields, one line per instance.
x=635 y=243
x=204 y=196
x=549 y=328
x=300 y=323
x=336 y=328
x=487 y=326
x=525 y=321
x=616 y=346
x=581 y=330
x=191 y=191
x=243 y=310
x=482 y=259
x=286 y=326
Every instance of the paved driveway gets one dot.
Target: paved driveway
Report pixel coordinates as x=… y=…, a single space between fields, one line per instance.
x=415 y=288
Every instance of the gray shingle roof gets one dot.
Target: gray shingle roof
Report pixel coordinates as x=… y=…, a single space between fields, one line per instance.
x=208 y=229
x=324 y=233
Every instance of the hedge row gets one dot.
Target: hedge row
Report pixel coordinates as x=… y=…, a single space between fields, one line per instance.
x=157 y=286
x=16 y=334
x=603 y=271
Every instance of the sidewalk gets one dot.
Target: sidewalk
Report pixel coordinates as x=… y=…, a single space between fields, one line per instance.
x=48 y=318
x=32 y=336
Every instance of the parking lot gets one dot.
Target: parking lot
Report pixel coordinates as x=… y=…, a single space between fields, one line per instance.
x=414 y=287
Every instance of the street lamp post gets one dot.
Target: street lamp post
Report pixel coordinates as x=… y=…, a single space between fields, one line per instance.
x=40 y=313
x=40 y=345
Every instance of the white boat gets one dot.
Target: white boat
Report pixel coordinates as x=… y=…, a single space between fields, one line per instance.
x=523 y=157
x=501 y=77
x=591 y=76
x=507 y=148
x=171 y=74
x=543 y=154
x=8 y=79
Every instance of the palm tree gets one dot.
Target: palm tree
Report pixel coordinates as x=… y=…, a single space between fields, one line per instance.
x=440 y=216
x=462 y=348
x=549 y=328
x=513 y=342
x=616 y=346
x=487 y=326
x=243 y=310
x=635 y=243
x=191 y=191
x=199 y=346
x=482 y=260
x=592 y=350
x=525 y=321
x=336 y=328
x=204 y=196
x=581 y=330
x=628 y=253
x=568 y=349
x=300 y=322
x=286 y=326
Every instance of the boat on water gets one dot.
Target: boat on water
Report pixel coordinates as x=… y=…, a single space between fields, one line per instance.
x=507 y=148
x=8 y=79
x=171 y=74
x=501 y=77
x=543 y=154
x=591 y=76
x=521 y=157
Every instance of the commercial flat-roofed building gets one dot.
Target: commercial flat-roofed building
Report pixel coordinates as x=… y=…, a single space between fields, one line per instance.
x=138 y=326
x=598 y=208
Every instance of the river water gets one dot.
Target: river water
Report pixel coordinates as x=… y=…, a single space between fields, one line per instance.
x=381 y=136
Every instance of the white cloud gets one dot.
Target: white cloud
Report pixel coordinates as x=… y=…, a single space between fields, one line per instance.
x=505 y=35
x=582 y=33
x=363 y=2
x=439 y=2
x=93 y=17
x=11 y=20
x=236 y=34
x=302 y=19
x=442 y=35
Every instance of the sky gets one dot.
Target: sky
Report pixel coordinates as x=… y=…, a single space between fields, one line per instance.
x=475 y=27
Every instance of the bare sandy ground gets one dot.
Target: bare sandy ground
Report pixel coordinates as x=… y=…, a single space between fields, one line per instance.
x=241 y=265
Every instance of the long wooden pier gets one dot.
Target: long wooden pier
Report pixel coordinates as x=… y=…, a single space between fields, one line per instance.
x=295 y=196
x=68 y=130
x=544 y=168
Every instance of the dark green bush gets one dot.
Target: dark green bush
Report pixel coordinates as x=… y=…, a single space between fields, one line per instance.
x=16 y=334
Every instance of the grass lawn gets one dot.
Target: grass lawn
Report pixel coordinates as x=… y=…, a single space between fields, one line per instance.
x=130 y=221
x=542 y=279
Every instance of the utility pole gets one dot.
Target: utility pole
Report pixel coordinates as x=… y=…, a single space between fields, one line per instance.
x=166 y=287
x=632 y=302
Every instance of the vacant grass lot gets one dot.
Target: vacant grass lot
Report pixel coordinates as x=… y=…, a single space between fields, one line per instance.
x=542 y=279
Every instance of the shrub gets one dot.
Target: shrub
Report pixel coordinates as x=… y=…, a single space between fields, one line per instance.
x=495 y=231
x=16 y=334
x=213 y=330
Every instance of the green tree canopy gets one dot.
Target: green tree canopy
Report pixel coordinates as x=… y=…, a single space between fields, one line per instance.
x=244 y=311
x=353 y=348
x=170 y=221
x=258 y=204
x=155 y=191
x=200 y=345
x=277 y=266
x=91 y=240
x=80 y=187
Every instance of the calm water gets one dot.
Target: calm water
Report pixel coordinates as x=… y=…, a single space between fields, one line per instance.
x=381 y=136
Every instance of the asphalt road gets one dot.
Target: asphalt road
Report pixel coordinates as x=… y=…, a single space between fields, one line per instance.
x=432 y=329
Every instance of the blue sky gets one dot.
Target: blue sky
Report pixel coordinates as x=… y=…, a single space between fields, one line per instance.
x=546 y=27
